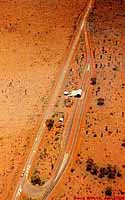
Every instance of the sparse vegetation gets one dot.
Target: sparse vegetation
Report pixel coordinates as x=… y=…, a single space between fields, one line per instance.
x=115 y=68
x=111 y=172
x=35 y=180
x=93 y=81
x=68 y=102
x=108 y=191
x=49 y=124
x=100 y=101
x=123 y=144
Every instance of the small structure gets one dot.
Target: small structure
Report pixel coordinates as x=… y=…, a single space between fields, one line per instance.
x=73 y=93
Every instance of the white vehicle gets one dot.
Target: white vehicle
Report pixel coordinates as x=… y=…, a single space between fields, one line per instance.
x=74 y=93
x=66 y=92
x=61 y=119
x=22 y=173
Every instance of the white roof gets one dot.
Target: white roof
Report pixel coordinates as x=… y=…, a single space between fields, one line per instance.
x=75 y=93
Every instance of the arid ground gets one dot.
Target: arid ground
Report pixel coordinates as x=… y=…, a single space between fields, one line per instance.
x=98 y=165
x=34 y=37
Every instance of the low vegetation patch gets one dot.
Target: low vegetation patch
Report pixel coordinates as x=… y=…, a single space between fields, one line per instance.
x=36 y=180
x=49 y=124
x=108 y=191
x=93 y=81
x=100 y=101
x=110 y=172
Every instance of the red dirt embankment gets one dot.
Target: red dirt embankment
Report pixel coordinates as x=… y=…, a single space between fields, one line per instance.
x=34 y=36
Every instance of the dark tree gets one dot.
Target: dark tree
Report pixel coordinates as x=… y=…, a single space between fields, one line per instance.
x=49 y=124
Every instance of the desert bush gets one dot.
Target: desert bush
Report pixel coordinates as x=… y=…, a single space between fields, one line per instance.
x=35 y=179
x=108 y=191
x=68 y=102
x=100 y=101
x=93 y=81
x=49 y=124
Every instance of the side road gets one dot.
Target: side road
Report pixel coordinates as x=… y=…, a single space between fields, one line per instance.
x=50 y=109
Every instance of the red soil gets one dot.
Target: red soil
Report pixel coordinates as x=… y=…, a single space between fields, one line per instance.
x=102 y=136
x=34 y=37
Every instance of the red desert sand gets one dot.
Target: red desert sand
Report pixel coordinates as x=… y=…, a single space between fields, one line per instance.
x=34 y=37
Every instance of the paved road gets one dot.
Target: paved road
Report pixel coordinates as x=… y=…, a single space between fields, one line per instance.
x=65 y=157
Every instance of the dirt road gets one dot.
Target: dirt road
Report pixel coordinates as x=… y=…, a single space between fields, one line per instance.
x=50 y=110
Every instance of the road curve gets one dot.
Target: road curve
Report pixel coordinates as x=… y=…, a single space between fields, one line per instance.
x=49 y=112
x=77 y=120
x=81 y=108
x=72 y=133
x=66 y=151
